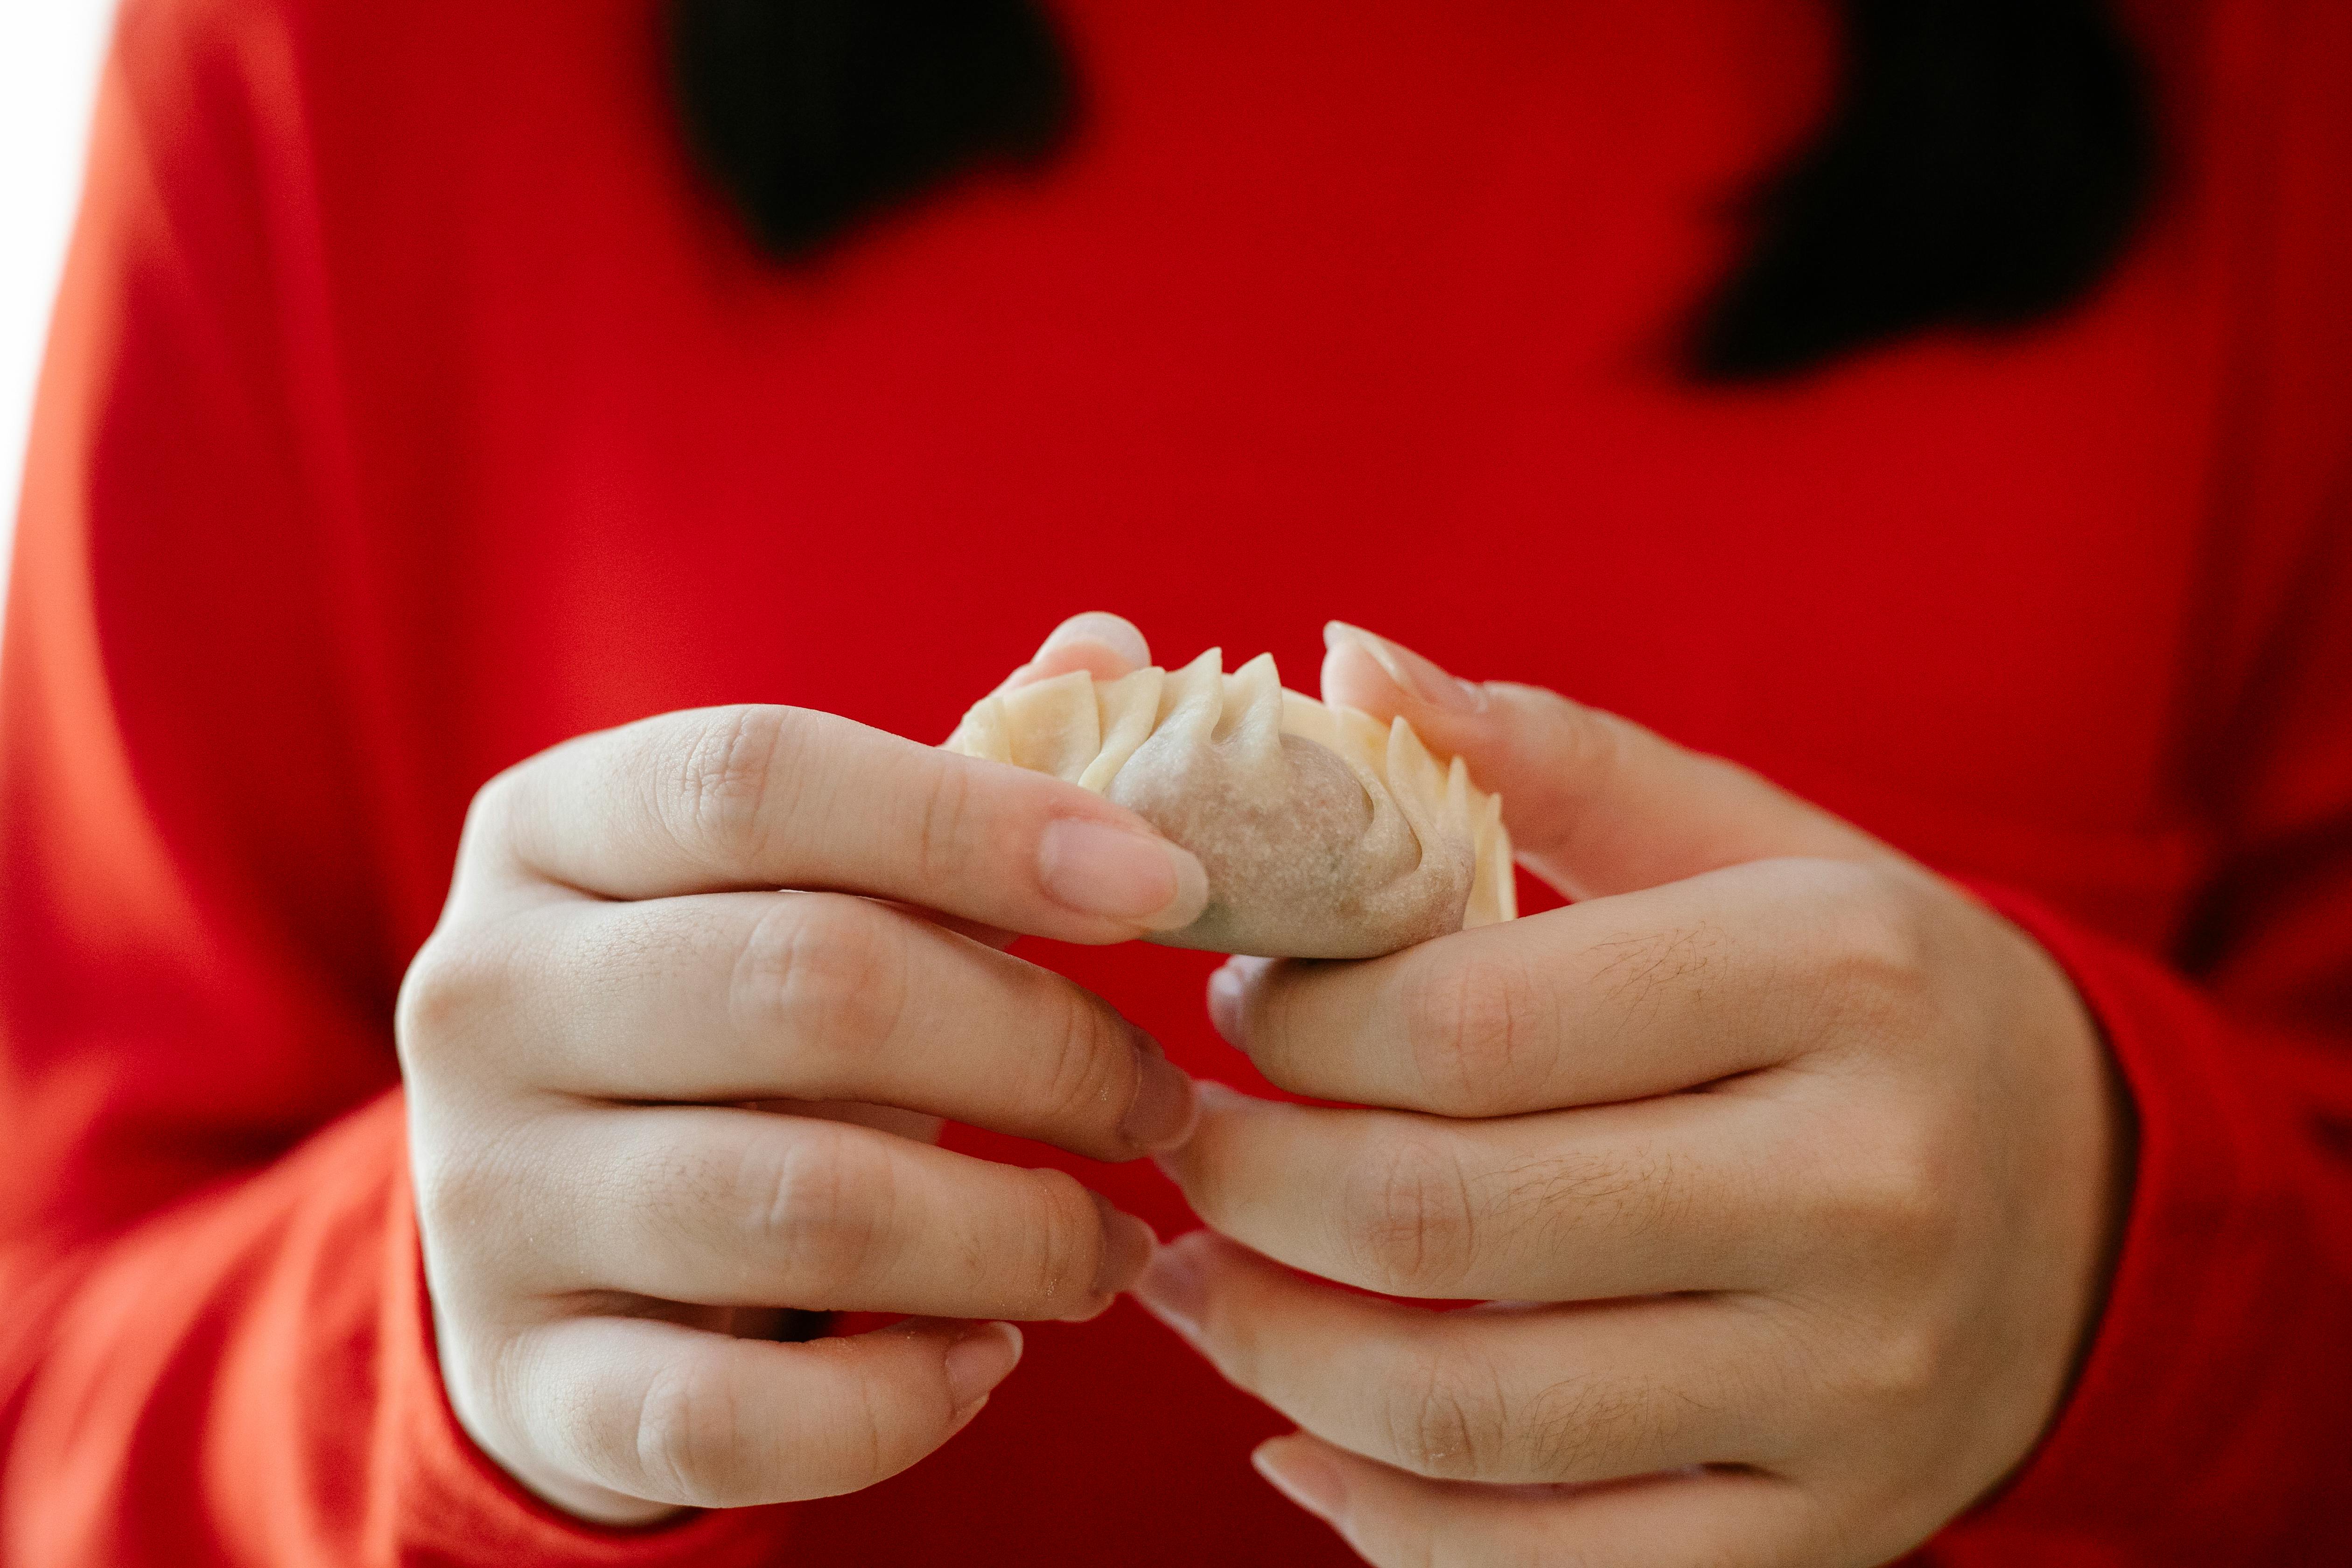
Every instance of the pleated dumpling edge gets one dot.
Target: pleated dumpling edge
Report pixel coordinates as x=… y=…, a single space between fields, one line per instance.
x=1325 y=832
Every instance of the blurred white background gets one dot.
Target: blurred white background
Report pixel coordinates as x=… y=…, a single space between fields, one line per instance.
x=48 y=67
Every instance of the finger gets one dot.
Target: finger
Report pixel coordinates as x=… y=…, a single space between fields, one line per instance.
x=918 y=1125
x=734 y=798
x=729 y=1207
x=672 y=1414
x=1516 y=1395
x=1103 y=645
x=996 y=937
x=1726 y=1518
x=1595 y=804
x=1617 y=998
x=1686 y=1193
x=741 y=996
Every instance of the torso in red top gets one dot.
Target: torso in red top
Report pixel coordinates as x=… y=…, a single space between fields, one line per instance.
x=1328 y=311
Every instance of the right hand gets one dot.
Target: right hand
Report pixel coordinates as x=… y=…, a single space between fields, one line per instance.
x=612 y=1209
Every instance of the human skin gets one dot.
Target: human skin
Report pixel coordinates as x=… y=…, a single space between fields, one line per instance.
x=1792 y=1171
x=650 y=1098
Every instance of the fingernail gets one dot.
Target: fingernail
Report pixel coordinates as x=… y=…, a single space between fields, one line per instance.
x=1100 y=870
x=1161 y=1113
x=1229 y=996
x=1176 y=1285
x=979 y=1361
x=1225 y=990
x=1303 y=1475
x=1414 y=674
x=1128 y=1243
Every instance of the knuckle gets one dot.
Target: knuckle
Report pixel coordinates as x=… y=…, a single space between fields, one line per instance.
x=821 y=1201
x=1409 y=1225
x=717 y=794
x=1471 y=1026
x=1876 y=962
x=486 y=1368
x=828 y=973
x=1892 y=1370
x=683 y=1438
x=468 y=1190
x=1068 y=1239
x=452 y=981
x=491 y=814
x=1446 y=1420
x=1901 y=1191
x=1083 y=1059
x=944 y=842
x=862 y=1443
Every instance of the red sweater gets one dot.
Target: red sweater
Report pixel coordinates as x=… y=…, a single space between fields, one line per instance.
x=411 y=408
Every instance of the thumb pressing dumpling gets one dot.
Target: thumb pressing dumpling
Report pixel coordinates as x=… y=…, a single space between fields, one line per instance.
x=1326 y=833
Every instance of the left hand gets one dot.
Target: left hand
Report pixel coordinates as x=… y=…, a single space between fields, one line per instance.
x=1792 y=1172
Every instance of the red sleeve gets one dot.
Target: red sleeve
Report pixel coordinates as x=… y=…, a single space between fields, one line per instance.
x=215 y=1347
x=2209 y=1424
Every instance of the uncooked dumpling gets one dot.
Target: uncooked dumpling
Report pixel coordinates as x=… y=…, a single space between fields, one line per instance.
x=1326 y=833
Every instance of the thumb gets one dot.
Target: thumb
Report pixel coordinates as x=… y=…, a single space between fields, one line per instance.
x=1596 y=804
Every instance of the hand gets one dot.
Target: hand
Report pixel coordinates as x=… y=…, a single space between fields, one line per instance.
x=1798 y=1168
x=600 y=1036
